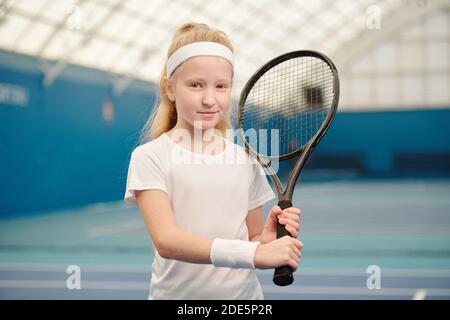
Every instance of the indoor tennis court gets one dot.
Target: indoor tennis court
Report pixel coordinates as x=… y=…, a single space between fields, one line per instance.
x=76 y=88
x=406 y=236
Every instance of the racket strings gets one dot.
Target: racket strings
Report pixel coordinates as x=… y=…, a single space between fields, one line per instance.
x=275 y=97
x=294 y=97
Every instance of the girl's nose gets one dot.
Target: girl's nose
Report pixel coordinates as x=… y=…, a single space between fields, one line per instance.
x=208 y=98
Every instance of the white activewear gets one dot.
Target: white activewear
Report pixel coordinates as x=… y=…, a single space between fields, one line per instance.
x=210 y=196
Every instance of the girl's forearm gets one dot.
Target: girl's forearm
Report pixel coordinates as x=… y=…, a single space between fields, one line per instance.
x=256 y=238
x=181 y=245
x=184 y=246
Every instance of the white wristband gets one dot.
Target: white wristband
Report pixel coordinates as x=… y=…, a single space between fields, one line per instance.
x=233 y=253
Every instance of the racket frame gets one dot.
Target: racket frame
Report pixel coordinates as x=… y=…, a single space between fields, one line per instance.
x=283 y=276
x=306 y=150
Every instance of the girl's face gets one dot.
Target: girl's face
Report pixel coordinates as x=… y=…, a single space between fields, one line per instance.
x=201 y=89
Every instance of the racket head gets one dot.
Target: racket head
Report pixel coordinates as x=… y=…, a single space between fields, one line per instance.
x=297 y=94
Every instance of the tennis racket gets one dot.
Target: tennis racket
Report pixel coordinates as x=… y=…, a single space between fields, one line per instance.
x=293 y=99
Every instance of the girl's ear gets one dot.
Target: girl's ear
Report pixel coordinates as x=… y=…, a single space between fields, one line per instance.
x=168 y=87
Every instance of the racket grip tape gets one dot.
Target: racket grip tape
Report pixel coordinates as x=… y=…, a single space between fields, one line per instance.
x=283 y=275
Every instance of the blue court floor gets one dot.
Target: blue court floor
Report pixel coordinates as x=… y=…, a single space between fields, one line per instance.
x=400 y=226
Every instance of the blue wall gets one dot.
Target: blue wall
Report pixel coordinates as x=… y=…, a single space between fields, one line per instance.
x=56 y=151
x=388 y=141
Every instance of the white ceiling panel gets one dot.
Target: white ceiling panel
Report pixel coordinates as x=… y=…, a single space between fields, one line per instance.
x=131 y=37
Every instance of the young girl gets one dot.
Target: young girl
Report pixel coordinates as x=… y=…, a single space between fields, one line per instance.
x=200 y=197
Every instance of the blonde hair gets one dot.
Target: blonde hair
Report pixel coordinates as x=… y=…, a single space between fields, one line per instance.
x=164 y=117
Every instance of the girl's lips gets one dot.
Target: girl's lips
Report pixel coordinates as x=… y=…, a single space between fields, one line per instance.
x=207 y=112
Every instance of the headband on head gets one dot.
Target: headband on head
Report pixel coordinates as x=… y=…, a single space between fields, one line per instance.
x=197 y=49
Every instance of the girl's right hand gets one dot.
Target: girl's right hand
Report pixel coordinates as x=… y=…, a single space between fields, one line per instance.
x=278 y=253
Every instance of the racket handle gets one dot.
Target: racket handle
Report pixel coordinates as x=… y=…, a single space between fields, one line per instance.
x=283 y=275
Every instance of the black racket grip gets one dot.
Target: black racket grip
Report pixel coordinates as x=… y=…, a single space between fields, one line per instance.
x=283 y=275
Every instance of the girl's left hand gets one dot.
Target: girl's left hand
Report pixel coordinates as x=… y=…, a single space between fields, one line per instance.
x=289 y=217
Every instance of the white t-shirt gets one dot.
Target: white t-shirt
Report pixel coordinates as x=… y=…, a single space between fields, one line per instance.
x=210 y=196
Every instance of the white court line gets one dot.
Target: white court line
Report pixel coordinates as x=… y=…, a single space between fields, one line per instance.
x=61 y=267
x=139 y=286
x=61 y=284
x=401 y=273
x=116 y=228
x=420 y=294
x=334 y=290
x=137 y=268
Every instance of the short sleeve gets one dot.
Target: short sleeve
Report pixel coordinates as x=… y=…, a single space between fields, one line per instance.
x=259 y=191
x=145 y=171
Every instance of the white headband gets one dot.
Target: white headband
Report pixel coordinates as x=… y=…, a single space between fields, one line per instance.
x=198 y=49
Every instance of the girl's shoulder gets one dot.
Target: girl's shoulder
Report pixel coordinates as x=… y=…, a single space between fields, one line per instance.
x=156 y=146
